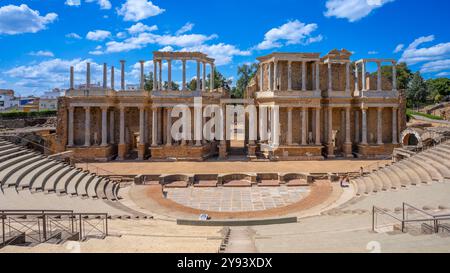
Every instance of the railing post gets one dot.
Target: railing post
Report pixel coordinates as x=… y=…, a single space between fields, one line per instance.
x=81 y=231
x=106 y=223
x=44 y=227
x=3 y=229
x=373 y=218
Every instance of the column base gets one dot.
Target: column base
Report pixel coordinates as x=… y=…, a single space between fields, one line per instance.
x=141 y=151
x=348 y=150
x=122 y=151
x=330 y=151
x=223 y=151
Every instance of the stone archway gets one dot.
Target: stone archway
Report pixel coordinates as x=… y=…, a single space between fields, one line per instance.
x=411 y=137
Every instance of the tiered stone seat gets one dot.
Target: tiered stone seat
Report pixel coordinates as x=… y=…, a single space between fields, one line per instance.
x=426 y=167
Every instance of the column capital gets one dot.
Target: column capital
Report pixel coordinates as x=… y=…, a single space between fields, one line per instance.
x=290 y=108
x=86 y=108
x=142 y=61
x=104 y=108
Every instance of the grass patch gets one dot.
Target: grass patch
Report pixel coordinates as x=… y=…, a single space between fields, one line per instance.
x=19 y=114
x=410 y=113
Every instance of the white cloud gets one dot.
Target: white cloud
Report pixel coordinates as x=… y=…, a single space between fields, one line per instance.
x=222 y=53
x=443 y=74
x=72 y=3
x=399 y=48
x=186 y=28
x=137 y=10
x=436 y=66
x=291 y=33
x=98 y=35
x=413 y=54
x=73 y=36
x=121 y=35
x=22 y=19
x=166 y=49
x=104 y=4
x=353 y=10
x=41 y=53
x=372 y=52
x=140 y=27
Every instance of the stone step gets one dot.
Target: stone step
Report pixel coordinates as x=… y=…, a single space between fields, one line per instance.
x=8 y=150
x=27 y=179
x=421 y=173
x=369 y=187
x=72 y=185
x=83 y=184
x=405 y=180
x=61 y=185
x=413 y=176
x=41 y=180
x=432 y=171
x=18 y=167
x=15 y=160
x=14 y=178
x=395 y=179
x=50 y=186
x=378 y=186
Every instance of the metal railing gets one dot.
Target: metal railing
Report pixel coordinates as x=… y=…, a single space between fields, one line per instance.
x=41 y=226
x=408 y=222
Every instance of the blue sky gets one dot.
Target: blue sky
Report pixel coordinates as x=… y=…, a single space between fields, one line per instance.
x=40 y=39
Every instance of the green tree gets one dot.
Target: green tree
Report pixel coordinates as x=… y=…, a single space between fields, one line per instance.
x=175 y=86
x=417 y=92
x=404 y=74
x=245 y=73
x=219 y=81
x=438 y=88
x=149 y=82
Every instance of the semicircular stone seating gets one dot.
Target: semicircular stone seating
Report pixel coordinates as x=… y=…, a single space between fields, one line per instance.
x=22 y=169
x=432 y=165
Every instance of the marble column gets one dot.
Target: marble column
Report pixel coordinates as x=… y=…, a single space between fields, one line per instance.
x=122 y=126
x=112 y=78
x=304 y=128
x=154 y=127
x=356 y=77
x=317 y=126
x=70 y=127
x=330 y=79
x=364 y=126
x=184 y=75
x=87 y=126
x=169 y=74
x=330 y=149
x=289 y=133
x=104 y=126
x=275 y=76
x=198 y=76
x=261 y=77
x=303 y=76
x=380 y=126
x=347 y=78
x=168 y=127
x=111 y=127
x=142 y=75
x=356 y=127
x=122 y=75
x=364 y=85
x=88 y=75
x=348 y=139
x=394 y=126
x=160 y=83
x=155 y=75
x=204 y=77
x=290 y=76
x=212 y=79
x=105 y=76
x=379 y=86
x=142 y=126
x=71 y=78
x=270 y=76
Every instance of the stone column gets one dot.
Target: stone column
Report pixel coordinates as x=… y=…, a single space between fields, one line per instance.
x=330 y=132
x=347 y=78
x=198 y=126
x=317 y=76
x=198 y=75
x=122 y=75
x=261 y=77
x=364 y=126
x=356 y=127
x=87 y=126
x=290 y=76
x=356 y=77
x=112 y=78
x=270 y=77
x=111 y=127
x=394 y=76
x=104 y=126
x=105 y=76
x=169 y=74
x=304 y=128
x=394 y=126
x=204 y=77
x=88 y=75
x=160 y=83
x=364 y=85
x=70 y=127
x=289 y=133
x=169 y=127
x=379 y=87
x=184 y=75
x=71 y=78
x=142 y=141
x=275 y=76
x=122 y=148
x=154 y=127
x=142 y=75
x=380 y=126
x=212 y=80
x=155 y=75
x=348 y=140
x=303 y=76
x=330 y=79
x=317 y=127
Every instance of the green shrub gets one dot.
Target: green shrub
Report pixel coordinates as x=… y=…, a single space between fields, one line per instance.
x=18 y=114
x=410 y=113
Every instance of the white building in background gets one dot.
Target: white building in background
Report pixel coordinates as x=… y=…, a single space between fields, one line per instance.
x=49 y=100
x=8 y=100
